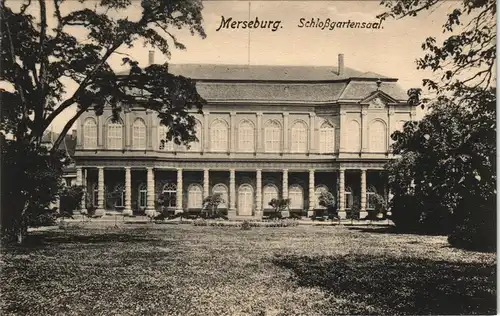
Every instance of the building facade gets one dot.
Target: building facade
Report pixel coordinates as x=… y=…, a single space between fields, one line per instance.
x=265 y=132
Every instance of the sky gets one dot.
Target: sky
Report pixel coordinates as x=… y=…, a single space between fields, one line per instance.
x=390 y=51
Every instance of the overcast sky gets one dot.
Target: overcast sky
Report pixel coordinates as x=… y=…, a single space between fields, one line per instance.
x=390 y=51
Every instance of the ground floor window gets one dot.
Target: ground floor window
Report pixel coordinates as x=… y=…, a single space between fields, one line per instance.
x=222 y=190
x=94 y=198
x=296 y=196
x=270 y=192
x=319 y=190
x=348 y=198
x=143 y=196
x=169 y=192
x=195 y=196
x=370 y=198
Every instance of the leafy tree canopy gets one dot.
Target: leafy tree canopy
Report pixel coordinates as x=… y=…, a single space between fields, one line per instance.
x=43 y=48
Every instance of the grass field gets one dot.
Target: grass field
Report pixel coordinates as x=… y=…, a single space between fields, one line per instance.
x=188 y=270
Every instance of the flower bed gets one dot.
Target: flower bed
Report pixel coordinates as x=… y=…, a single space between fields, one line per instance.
x=281 y=223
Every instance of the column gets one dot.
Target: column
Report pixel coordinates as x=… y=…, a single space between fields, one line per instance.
x=312 y=196
x=79 y=176
x=312 y=127
x=286 y=133
x=341 y=208
x=285 y=184
x=100 y=192
x=258 y=194
x=127 y=211
x=206 y=182
x=83 y=205
x=232 y=192
x=259 y=141
x=150 y=199
x=363 y=212
x=179 y=206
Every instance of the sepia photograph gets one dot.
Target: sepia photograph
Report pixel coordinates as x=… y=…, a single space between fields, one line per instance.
x=260 y=158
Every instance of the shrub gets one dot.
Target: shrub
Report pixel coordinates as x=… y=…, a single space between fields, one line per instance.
x=246 y=225
x=406 y=212
x=42 y=217
x=353 y=212
x=200 y=222
x=380 y=207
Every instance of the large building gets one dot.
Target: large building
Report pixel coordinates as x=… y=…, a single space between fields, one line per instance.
x=265 y=132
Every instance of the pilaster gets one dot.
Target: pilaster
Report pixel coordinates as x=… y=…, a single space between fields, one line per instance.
x=364 y=131
x=232 y=132
x=206 y=131
x=100 y=132
x=127 y=126
x=259 y=141
x=343 y=131
x=149 y=122
x=312 y=128
x=286 y=133
x=390 y=128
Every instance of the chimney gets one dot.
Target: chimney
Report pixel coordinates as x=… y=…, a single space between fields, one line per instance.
x=151 y=57
x=341 y=65
x=73 y=134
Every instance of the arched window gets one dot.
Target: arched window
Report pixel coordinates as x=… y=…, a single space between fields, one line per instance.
x=348 y=198
x=115 y=135
x=139 y=134
x=195 y=196
x=272 y=134
x=296 y=196
x=197 y=145
x=299 y=138
x=163 y=144
x=326 y=138
x=245 y=200
x=219 y=136
x=169 y=192
x=94 y=199
x=353 y=137
x=270 y=192
x=143 y=195
x=90 y=133
x=119 y=193
x=370 y=198
x=246 y=137
x=318 y=191
x=222 y=190
x=378 y=137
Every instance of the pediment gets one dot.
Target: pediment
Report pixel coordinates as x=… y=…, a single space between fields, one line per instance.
x=378 y=100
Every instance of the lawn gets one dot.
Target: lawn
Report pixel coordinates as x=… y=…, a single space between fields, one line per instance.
x=192 y=270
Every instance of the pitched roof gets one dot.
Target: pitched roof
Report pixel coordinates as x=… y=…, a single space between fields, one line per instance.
x=68 y=144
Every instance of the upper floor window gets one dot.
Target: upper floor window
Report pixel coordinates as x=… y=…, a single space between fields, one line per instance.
x=139 y=134
x=353 y=136
x=272 y=134
x=163 y=144
x=196 y=145
x=299 y=138
x=246 y=137
x=90 y=133
x=378 y=138
x=115 y=135
x=326 y=138
x=219 y=136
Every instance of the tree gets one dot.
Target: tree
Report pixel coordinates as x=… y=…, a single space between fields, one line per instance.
x=451 y=167
x=278 y=205
x=31 y=181
x=43 y=51
x=212 y=203
x=327 y=200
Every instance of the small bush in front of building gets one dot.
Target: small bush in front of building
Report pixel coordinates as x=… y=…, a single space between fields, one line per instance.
x=246 y=225
x=200 y=222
